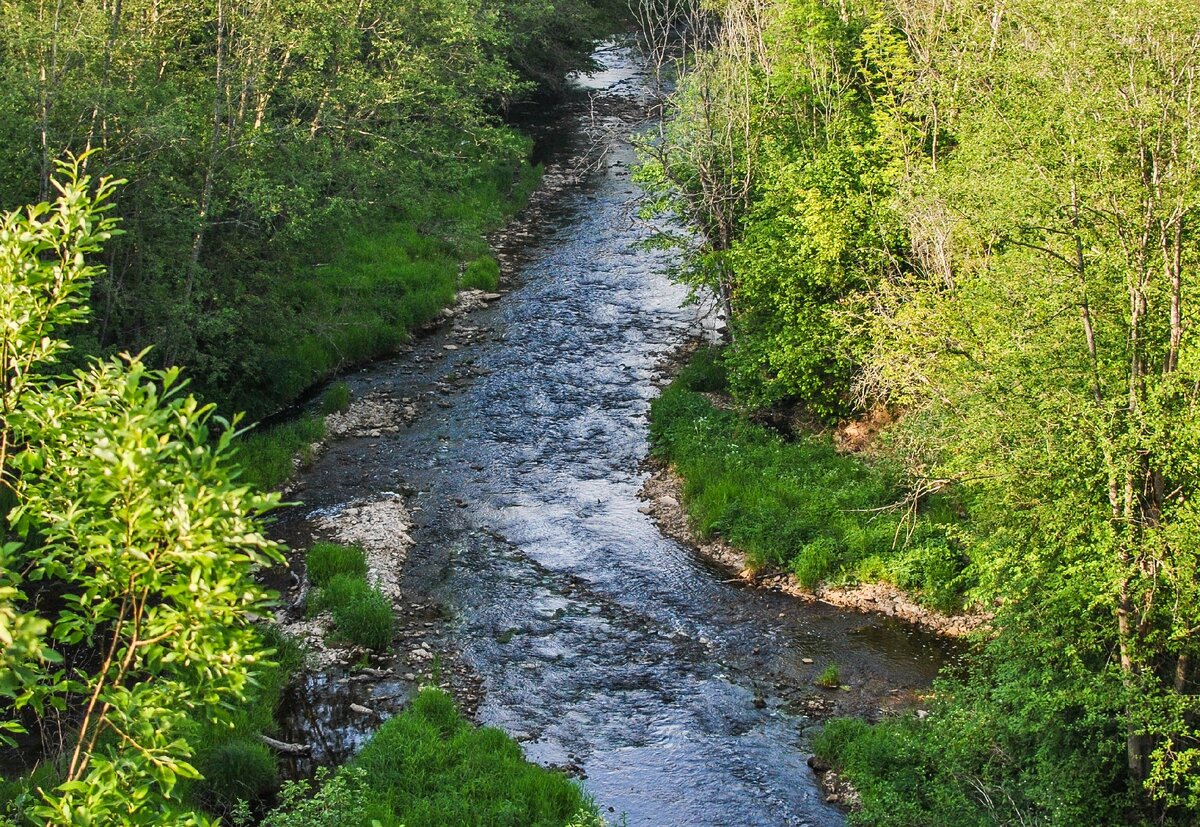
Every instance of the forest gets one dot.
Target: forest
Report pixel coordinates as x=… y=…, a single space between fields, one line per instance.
x=973 y=225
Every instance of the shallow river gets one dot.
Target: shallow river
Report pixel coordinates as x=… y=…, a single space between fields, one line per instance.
x=601 y=645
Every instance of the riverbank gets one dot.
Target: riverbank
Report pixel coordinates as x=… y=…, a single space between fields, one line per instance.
x=801 y=515
x=663 y=493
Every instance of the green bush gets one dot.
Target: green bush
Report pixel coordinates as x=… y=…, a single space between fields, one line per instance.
x=325 y=561
x=338 y=800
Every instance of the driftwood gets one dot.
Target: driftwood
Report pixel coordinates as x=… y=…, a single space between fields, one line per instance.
x=286 y=748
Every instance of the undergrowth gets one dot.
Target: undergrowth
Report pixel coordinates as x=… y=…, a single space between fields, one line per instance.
x=429 y=767
x=799 y=504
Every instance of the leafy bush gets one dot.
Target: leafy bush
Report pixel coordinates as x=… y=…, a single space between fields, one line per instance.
x=338 y=800
x=327 y=560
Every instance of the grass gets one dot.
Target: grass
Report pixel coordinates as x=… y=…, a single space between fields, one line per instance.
x=325 y=561
x=799 y=504
x=268 y=457
x=385 y=278
x=336 y=399
x=374 y=281
x=361 y=613
x=429 y=767
x=830 y=677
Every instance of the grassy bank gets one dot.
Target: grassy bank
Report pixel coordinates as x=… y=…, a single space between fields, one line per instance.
x=799 y=504
x=363 y=289
x=429 y=767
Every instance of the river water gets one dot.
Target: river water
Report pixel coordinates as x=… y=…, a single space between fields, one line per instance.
x=680 y=695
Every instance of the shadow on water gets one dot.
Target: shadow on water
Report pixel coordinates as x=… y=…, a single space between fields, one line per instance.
x=681 y=698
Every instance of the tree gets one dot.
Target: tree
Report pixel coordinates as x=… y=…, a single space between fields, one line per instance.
x=131 y=545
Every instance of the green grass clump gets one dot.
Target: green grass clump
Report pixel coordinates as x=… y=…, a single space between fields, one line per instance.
x=361 y=613
x=799 y=504
x=268 y=456
x=830 y=677
x=240 y=770
x=325 y=561
x=482 y=274
x=429 y=767
x=335 y=399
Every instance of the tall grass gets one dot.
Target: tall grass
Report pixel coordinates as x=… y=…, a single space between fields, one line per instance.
x=428 y=767
x=373 y=282
x=798 y=504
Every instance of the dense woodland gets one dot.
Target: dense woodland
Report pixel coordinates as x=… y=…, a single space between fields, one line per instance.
x=255 y=140
x=976 y=221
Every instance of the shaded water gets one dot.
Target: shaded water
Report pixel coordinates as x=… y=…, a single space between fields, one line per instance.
x=601 y=645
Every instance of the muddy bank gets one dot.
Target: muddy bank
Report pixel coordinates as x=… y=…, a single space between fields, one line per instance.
x=663 y=494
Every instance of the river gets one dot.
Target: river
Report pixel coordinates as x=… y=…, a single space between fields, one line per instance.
x=680 y=696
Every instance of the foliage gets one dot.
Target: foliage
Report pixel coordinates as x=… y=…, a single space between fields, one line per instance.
x=135 y=544
x=798 y=503
x=982 y=216
x=338 y=799
x=233 y=739
x=428 y=766
x=261 y=140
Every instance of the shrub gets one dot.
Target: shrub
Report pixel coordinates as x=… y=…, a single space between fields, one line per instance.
x=830 y=677
x=339 y=800
x=325 y=561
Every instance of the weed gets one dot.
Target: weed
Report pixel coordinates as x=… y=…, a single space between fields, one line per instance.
x=830 y=677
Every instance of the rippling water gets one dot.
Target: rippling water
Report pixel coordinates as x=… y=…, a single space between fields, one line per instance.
x=602 y=645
